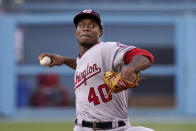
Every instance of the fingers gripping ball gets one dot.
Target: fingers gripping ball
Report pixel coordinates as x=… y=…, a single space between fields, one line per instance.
x=117 y=84
x=45 y=61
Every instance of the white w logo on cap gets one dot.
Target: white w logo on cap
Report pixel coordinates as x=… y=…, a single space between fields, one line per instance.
x=87 y=11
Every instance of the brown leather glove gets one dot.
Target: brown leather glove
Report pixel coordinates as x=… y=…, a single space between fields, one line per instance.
x=117 y=84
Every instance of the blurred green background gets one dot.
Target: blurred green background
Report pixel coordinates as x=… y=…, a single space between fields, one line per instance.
x=69 y=126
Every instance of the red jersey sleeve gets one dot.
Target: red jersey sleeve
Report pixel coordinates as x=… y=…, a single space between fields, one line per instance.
x=137 y=51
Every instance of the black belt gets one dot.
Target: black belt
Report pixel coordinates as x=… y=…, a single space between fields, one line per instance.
x=100 y=125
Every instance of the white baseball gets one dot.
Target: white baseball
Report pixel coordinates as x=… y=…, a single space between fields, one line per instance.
x=45 y=61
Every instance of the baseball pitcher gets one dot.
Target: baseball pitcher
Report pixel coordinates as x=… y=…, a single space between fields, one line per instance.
x=103 y=73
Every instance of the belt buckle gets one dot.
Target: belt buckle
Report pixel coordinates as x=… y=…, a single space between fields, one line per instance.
x=95 y=125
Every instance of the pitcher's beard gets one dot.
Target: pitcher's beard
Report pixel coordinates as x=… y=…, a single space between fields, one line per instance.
x=87 y=45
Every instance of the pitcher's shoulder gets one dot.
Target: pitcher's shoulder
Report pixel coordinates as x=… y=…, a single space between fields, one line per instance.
x=106 y=44
x=114 y=45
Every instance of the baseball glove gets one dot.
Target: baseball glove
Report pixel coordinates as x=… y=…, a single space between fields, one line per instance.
x=117 y=84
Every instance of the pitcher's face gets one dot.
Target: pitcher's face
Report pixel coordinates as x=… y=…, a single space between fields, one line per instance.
x=88 y=33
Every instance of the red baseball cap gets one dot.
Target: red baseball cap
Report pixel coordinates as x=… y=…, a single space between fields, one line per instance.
x=88 y=13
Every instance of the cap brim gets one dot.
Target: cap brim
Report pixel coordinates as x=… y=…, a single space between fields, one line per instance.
x=80 y=17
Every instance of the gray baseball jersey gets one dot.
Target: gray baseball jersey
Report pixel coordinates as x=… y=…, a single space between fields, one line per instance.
x=92 y=101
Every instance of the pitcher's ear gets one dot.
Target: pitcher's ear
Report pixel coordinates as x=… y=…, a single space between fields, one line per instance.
x=101 y=33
